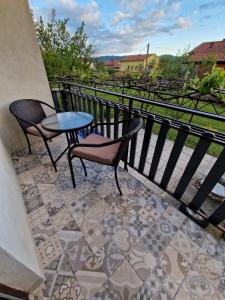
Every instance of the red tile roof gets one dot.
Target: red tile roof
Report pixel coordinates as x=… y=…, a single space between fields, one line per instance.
x=139 y=57
x=112 y=63
x=204 y=50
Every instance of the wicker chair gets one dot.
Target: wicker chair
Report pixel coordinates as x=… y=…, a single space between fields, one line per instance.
x=104 y=150
x=29 y=113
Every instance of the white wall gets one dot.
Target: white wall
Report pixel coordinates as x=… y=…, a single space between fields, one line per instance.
x=22 y=73
x=19 y=264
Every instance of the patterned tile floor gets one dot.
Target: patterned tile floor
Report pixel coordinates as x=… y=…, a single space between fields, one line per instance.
x=95 y=244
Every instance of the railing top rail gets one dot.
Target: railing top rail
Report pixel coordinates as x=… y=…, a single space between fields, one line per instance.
x=146 y=101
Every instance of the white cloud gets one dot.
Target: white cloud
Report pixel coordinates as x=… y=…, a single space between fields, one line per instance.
x=72 y=9
x=120 y=16
x=135 y=6
x=183 y=23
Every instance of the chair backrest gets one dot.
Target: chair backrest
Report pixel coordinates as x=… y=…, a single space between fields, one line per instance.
x=130 y=129
x=27 y=110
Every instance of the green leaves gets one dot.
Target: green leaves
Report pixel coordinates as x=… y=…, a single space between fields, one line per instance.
x=212 y=81
x=64 y=53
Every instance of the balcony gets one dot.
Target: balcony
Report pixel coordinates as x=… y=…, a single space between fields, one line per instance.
x=95 y=244
x=163 y=239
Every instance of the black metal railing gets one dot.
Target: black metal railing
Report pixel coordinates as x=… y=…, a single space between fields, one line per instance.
x=172 y=91
x=72 y=98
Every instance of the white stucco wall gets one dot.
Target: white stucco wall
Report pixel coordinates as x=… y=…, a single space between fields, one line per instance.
x=22 y=73
x=19 y=264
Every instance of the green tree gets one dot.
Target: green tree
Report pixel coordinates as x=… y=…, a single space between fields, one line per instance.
x=64 y=53
x=177 y=66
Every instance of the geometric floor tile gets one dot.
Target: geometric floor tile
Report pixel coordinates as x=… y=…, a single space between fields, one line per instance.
x=112 y=223
x=193 y=231
x=184 y=246
x=158 y=236
x=43 y=231
x=174 y=216
x=125 y=240
x=161 y=287
x=75 y=247
x=110 y=257
x=197 y=287
x=32 y=199
x=50 y=249
x=175 y=265
x=96 y=237
x=208 y=267
x=90 y=282
x=149 y=213
x=138 y=226
x=67 y=288
x=142 y=261
x=126 y=281
x=36 y=216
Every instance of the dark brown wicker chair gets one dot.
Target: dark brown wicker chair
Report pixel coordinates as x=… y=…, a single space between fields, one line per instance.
x=29 y=114
x=104 y=150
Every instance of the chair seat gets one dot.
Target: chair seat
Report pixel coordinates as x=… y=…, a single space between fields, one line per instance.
x=33 y=130
x=105 y=155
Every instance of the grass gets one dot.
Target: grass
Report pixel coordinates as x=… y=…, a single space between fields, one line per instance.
x=191 y=142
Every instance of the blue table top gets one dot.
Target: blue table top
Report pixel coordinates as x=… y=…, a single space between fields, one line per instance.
x=67 y=121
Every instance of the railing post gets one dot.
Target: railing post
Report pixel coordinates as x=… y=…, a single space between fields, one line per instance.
x=64 y=100
x=55 y=97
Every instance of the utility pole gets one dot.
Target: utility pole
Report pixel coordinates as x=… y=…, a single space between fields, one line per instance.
x=147 y=56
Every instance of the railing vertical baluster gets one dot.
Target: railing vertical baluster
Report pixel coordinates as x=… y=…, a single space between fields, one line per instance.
x=165 y=126
x=124 y=130
x=101 y=115
x=133 y=143
x=85 y=104
x=108 y=110
x=174 y=155
x=79 y=102
x=208 y=184
x=193 y=163
x=75 y=102
x=116 y=119
x=89 y=105
x=146 y=142
x=95 y=103
x=55 y=98
x=64 y=100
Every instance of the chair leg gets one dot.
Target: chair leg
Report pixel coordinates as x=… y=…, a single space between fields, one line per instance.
x=71 y=170
x=28 y=142
x=50 y=154
x=84 y=167
x=117 y=182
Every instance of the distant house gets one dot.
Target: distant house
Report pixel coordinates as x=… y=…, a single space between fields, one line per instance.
x=204 y=51
x=112 y=64
x=134 y=63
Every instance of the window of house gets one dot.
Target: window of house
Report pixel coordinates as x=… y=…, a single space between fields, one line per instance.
x=128 y=68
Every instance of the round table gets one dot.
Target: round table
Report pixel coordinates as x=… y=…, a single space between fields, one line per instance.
x=67 y=121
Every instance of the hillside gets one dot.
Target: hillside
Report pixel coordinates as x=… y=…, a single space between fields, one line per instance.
x=109 y=57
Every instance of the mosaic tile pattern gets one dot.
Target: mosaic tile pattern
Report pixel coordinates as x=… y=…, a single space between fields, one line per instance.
x=95 y=244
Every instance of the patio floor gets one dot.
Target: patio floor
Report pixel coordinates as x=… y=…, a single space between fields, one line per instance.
x=95 y=244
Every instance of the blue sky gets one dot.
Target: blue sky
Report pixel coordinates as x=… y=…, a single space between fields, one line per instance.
x=126 y=26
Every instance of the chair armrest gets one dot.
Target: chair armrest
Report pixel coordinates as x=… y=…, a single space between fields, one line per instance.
x=56 y=109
